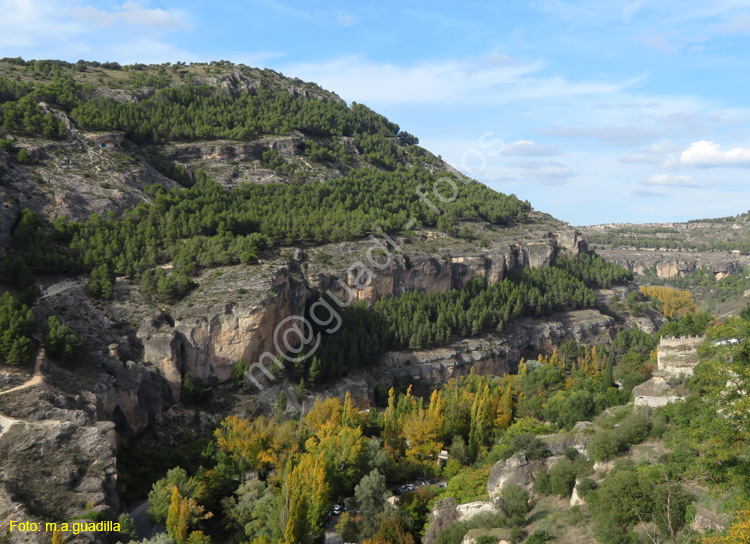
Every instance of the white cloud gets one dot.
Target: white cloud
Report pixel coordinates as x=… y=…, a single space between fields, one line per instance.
x=709 y=154
x=448 y=82
x=345 y=19
x=527 y=148
x=49 y=29
x=132 y=13
x=610 y=134
x=739 y=25
x=666 y=180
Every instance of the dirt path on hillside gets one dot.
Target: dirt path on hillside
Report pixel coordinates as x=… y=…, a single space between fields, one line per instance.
x=36 y=379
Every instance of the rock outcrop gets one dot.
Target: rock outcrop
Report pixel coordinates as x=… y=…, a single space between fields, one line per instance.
x=676 y=360
x=499 y=354
x=54 y=471
x=517 y=470
x=209 y=345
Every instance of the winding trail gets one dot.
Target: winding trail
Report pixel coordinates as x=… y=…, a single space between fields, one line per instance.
x=7 y=422
x=36 y=379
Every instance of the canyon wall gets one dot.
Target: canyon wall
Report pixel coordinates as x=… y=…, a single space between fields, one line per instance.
x=209 y=346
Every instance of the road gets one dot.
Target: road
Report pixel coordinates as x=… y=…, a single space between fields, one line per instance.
x=142 y=526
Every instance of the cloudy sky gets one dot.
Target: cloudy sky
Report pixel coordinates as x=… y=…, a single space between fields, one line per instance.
x=594 y=111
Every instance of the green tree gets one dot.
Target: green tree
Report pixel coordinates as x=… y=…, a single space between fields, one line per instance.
x=371 y=493
x=61 y=342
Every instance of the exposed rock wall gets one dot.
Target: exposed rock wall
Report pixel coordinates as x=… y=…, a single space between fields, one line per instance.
x=669 y=264
x=499 y=354
x=209 y=346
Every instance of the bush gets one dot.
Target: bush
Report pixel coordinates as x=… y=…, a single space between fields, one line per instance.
x=515 y=505
x=539 y=537
x=238 y=372
x=634 y=428
x=531 y=446
x=542 y=483
x=605 y=445
x=562 y=478
x=23 y=157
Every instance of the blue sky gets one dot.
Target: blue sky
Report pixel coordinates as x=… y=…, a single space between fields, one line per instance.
x=596 y=112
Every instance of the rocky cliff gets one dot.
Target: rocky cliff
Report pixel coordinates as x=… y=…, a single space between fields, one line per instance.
x=669 y=264
x=209 y=340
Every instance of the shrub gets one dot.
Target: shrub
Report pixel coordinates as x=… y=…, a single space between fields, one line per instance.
x=605 y=445
x=562 y=478
x=541 y=482
x=634 y=428
x=539 y=537
x=515 y=505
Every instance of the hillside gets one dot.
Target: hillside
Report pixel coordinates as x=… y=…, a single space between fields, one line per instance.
x=707 y=256
x=230 y=294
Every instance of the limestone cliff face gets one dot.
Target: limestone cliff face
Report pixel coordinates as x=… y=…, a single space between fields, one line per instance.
x=208 y=346
x=499 y=354
x=669 y=264
x=130 y=395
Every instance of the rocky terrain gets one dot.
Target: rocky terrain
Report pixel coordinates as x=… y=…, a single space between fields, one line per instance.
x=59 y=436
x=670 y=250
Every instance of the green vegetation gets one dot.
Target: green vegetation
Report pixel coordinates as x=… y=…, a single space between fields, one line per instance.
x=60 y=342
x=417 y=320
x=17 y=323
x=204 y=225
x=594 y=271
x=481 y=420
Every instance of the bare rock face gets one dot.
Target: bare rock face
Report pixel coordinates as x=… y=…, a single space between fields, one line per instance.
x=471 y=509
x=670 y=264
x=517 y=470
x=575 y=498
x=8 y=216
x=130 y=395
x=54 y=471
x=209 y=346
x=498 y=354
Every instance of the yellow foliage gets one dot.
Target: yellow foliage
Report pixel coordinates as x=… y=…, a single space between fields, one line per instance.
x=676 y=303
x=183 y=511
x=738 y=533
x=259 y=444
x=325 y=411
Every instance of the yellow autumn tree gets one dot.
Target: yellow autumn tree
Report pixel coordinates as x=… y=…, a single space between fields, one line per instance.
x=423 y=429
x=260 y=444
x=183 y=512
x=505 y=408
x=307 y=499
x=350 y=415
x=738 y=533
x=675 y=302
x=393 y=439
x=343 y=450
x=324 y=412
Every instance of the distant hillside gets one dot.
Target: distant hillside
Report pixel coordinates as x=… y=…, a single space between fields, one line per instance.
x=708 y=256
